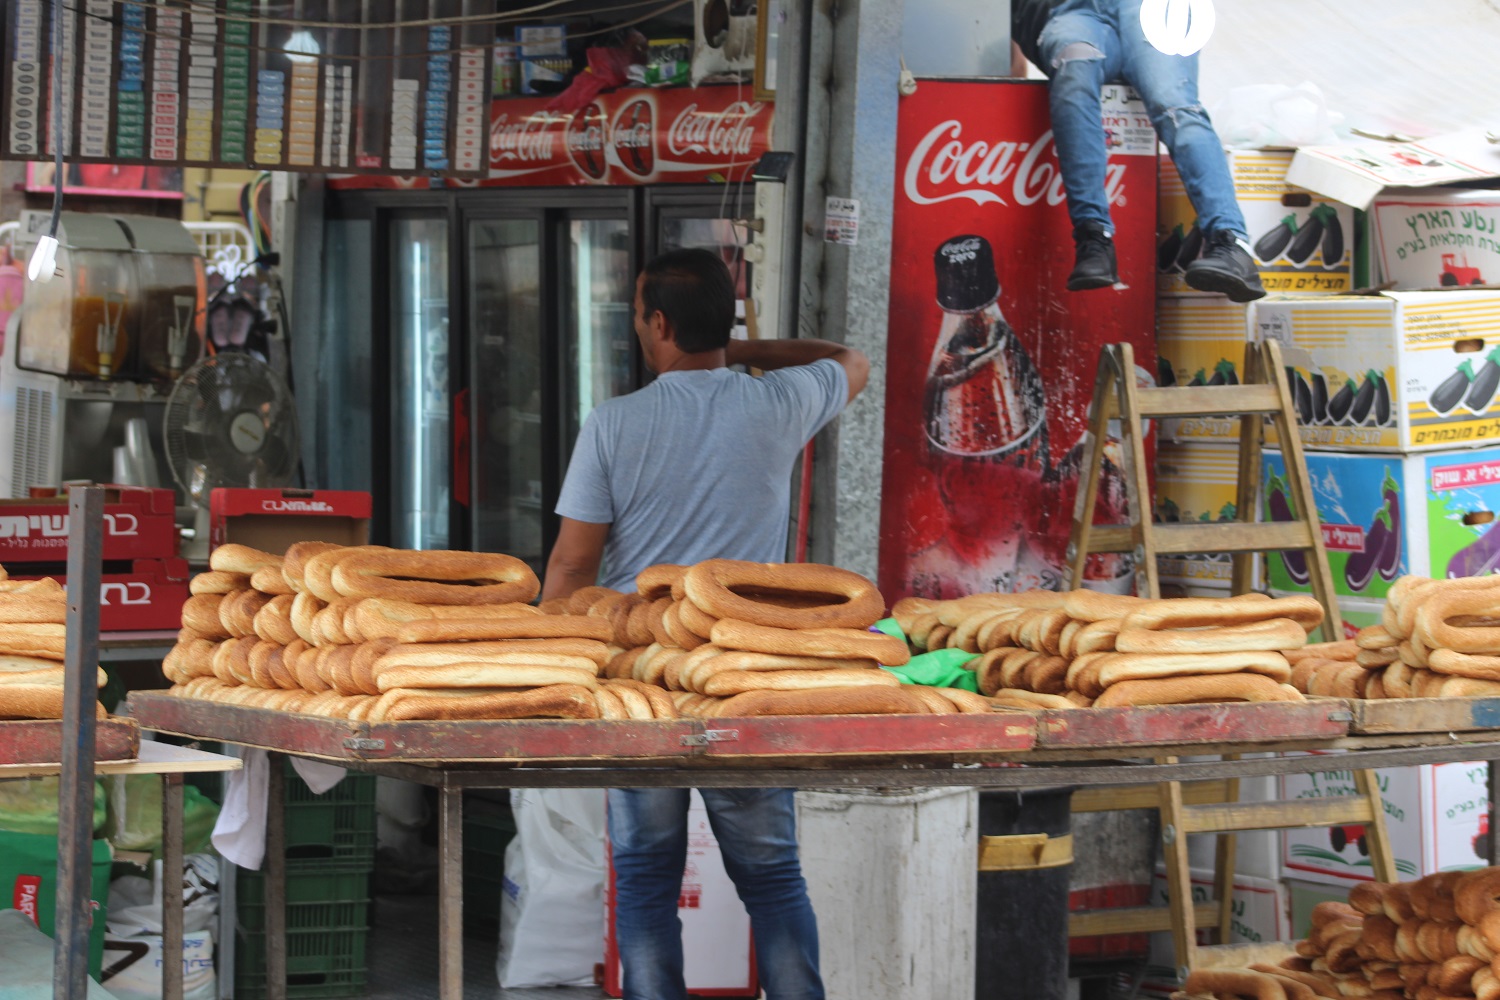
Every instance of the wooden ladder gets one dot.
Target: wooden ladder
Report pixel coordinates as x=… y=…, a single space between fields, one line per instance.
x=1263 y=393
x=1214 y=807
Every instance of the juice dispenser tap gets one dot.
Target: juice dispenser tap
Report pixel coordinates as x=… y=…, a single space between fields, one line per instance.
x=108 y=331
x=184 y=308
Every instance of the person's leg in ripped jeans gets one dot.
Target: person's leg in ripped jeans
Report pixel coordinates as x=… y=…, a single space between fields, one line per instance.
x=648 y=843
x=1080 y=50
x=757 y=833
x=1168 y=84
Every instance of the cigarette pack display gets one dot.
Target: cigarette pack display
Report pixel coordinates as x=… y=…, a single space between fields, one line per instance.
x=1200 y=341
x=138 y=524
x=1374 y=528
x=1436 y=816
x=1301 y=241
x=145 y=595
x=1399 y=371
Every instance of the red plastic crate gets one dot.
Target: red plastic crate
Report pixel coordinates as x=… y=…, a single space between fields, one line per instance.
x=147 y=598
x=272 y=520
x=138 y=524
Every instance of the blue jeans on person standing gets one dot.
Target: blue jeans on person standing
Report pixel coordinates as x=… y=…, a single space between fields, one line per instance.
x=757 y=833
x=1089 y=43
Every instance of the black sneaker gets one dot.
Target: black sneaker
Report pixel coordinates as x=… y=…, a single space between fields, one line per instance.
x=1094 y=259
x=1226 y=266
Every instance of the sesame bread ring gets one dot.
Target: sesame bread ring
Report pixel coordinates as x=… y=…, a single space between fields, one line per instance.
x=1374 y=637
x=1432 y=628
x=298 y=656
x=260 y=664
x=662 y=706
x=604 y=605
x=610 y=705
x=826 y=701
x=1234 y=982
x=679 y=634
x=634 y=702
x=557 y=701
x=242 y=609
x=935 y=703
x=1097 y=637
x=684 y=669
x=1447 y=661
x=484 y=674
x=519 y=627
x=232 y=558
x=732 y=682
x=1367 y=898
x=695 y=619
x=362 y=666
x=1139 y=666
x=273 y=622
x=622 y=663
x=654 y=669
x=832 y=643
x=201 y=614
x=1083 y=674
x=967 y=702
x=1272 y=634
x=294 y=563
x=638 y=625
x=305 y=608
x=270 y=580
x=317 y=571
x=1194 y=690
x=200 y=658
x=998 y=630
x=328 y=624
x=1047 y=675
x=1344 y=649
x=555 y=606
x=44 y=585
x=656 y=609
x=350 y=624
x=728 y=588
x=1092 y=606
x=340 y=673
x=1203 y=612
x=694 y=674
x=34 y=609
x=582 y=599
x=657 y=581
x=218 y=583
x=436 y=577
x=227 y=617
x=553 y=652
x=1475 y=894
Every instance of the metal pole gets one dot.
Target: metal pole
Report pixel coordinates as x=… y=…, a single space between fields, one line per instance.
x=1494 y=785
x=451 y=893
x=171 y=887
x=276 y=877
x=75 y=794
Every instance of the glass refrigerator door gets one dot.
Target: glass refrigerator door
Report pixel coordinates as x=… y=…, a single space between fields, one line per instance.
x=509 y=384
x=599 y=329
x=683 y=231
x=421 y=408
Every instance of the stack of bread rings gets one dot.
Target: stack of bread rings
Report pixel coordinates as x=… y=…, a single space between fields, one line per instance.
x=1436 y=639
x=1044 y=650
x=366 y=632
x=32 y=641
x=728 y=637
x=1437 y=938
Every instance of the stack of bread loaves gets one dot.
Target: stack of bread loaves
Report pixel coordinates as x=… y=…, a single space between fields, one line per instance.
x=1437 y=638
x=367 y=632
x=32 y=642
x=1045 y=650
x=1433 y=939
x=761 y=639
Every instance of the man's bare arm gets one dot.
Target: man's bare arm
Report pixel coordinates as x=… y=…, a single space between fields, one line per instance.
x=575 y=558
x=770 y=355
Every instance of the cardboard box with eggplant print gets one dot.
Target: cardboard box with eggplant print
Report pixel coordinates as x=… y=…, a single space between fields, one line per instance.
x=1196 y=481
x=1397 y=372
x=1387 y=515
x=1200 y=341
x=1301 y=241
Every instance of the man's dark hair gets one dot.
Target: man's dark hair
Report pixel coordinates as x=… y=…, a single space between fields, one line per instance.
x=694 y=290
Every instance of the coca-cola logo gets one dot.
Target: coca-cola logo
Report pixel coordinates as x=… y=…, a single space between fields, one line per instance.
x=726 y=135
x=961 y=251
x=584 y=140
x=944 y=167
x=526 y=139
x=634 y=137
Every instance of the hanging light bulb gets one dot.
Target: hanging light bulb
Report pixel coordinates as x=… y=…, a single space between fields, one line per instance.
x=1177 y=27
x=43 y=263
x=302 y=47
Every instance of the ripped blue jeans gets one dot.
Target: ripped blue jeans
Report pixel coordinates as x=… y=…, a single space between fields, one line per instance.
x=1089 y=43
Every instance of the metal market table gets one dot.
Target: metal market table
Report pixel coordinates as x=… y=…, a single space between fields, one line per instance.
x=995 y=750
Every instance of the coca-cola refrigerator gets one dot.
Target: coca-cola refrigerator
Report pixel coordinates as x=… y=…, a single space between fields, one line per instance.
x=991 y=361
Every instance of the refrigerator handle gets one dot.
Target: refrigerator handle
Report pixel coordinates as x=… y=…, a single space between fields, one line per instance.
x=461 y=447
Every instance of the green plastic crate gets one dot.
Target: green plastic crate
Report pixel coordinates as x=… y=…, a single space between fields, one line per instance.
x=319 y=963
x=488 y=828
x=332 y=831
x=314 y=900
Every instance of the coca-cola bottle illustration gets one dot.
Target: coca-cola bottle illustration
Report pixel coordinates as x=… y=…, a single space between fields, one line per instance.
x=984 y=396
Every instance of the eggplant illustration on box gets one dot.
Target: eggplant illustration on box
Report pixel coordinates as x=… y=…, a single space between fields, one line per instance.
x=1333 y=238
x=1166 y=373
x=1273 y=243
x=1479 y=557
x=1192 y=246
x=1382 y=551
x=1453 y=389
x=1341 y=403
x=1482 y=391
x=1279 y=508
x=1166 y=253
x=1302 y=396
x=1372 y=403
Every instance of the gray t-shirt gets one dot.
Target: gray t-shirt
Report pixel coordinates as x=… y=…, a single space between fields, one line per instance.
x=697 y=465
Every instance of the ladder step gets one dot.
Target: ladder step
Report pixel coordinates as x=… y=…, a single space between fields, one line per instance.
x=1110 y=799
x=1207 y=401
x=1223 y=536
x=1136 y=920
x=1296 y=814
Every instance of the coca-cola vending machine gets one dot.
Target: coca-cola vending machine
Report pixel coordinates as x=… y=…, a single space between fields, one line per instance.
x=991 y=361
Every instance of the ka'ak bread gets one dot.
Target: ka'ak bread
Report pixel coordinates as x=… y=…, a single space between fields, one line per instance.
x=437 y=577
x=1191 y=690
x=827 y=701
x=760 y=592
x=850 y=644
x=560 y=701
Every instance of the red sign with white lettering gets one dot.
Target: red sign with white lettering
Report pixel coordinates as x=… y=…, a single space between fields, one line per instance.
x=993 y=361
x=671 y=136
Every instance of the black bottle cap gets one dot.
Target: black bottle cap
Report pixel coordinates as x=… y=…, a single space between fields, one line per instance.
x=966 y=278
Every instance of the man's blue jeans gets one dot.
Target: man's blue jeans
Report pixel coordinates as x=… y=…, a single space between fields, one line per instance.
x=757 y=833
x=1089 y=43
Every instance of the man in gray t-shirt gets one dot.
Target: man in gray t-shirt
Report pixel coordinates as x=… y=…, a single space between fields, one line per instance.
x=697 y=466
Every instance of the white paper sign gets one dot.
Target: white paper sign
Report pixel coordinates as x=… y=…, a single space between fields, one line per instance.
x=841 y=221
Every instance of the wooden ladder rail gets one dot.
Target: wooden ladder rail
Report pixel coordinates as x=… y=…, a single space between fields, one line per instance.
x=1214 y=807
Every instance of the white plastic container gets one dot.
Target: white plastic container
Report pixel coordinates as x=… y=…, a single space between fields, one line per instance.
x=891 y=876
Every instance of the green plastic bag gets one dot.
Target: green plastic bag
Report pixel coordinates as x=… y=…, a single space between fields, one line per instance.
x=135 y=815
x=28 y=877
x=939 y=668
x=891 y=627
x=29 y=805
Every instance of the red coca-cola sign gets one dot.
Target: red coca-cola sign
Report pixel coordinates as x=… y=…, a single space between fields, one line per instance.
x=985 y=417
x=633 y=137
x=682 y=136
x=585 y=138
